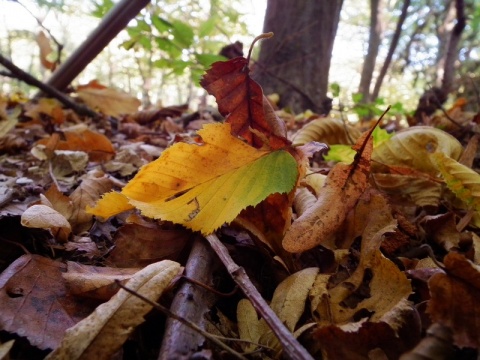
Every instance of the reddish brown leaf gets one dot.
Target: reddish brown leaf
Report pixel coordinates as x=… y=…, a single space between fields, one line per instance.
x=454 y=299
x=241 y=101
x=143 y=243
x=35 y=303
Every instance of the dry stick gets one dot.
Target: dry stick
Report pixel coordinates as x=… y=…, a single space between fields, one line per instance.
x=291 y=346
x=191 y=325
x=29 y=79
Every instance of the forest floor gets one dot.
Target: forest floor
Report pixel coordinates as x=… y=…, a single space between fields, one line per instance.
x=390 y=265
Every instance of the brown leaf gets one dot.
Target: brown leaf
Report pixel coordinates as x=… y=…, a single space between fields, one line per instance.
x=94 y=281
x=109 y=101
x=87 y=193
x=45 y=50
x=97 y=146
x=343 y=186
x=103 y=333
x=240 y=99
x=356 y=341
x=140 y=244
x=35 y=303
x=454 y=299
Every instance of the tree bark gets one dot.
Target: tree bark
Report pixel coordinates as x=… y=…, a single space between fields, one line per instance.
x=391 y=50
x=296 y=61
x=374 y=41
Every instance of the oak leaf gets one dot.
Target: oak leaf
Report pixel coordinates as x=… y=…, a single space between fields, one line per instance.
x=103 y=332
x=240 y=99
x=206 y=185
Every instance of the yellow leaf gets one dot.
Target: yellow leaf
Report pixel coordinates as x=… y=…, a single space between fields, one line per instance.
x=102 y=333
x=204 y=186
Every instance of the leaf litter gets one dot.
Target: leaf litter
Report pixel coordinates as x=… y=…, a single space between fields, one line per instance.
x=339 y=250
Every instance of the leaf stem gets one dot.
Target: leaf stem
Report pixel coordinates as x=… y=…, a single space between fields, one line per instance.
x=259 y=37
x=291 y=347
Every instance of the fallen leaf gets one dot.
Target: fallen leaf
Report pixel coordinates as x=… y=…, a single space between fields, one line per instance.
x=343 y=186
x=327 y=130
x=5 y=349
x=454 y=299
x=240 y=99
x=288 y=303
x=85 y=195
x=394 y=334
x=35 y=302
x=44 y=217
x=140 y=244
x=94 y=281
x=51 y=107
x=97 y=146
x=102 y=333
x=45 y=50
x=214 y=182
x=411 y=148
x=109 y=101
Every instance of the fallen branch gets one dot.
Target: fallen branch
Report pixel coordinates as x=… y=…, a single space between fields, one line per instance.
x=291 y=346
x=29 y=79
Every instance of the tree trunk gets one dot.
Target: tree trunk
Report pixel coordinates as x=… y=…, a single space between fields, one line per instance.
x=296 y=61
x=391 y=50
x=374 y=41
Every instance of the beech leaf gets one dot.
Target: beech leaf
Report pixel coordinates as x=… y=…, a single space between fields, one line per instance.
x=411 y=147
x=240 y=99
x=460 y=179
x=330 y=131
x=102 y=333
x=44 y=217
x=204 y=186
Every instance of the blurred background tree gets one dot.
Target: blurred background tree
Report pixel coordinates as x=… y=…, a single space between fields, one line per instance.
x=384 y=51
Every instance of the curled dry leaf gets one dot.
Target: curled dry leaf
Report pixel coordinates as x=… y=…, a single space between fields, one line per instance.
x=411 y=147
x=45 y=50
x=327 y=130
x=454 y=299
x=102 y=333
x=44 y=217
x=5 y=349
x=343 y=186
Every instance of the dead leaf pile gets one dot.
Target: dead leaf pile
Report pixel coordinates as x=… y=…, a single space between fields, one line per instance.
x=369 y=251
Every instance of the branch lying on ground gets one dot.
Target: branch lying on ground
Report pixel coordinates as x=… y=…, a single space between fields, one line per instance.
x=64 y=99
x=291 y=347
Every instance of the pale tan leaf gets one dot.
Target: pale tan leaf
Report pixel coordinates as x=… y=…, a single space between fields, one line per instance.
x=289 y=298
x=44 y=217
x=45 y=50
x=410 y=148
x=250 y=327
x=109 y=101
x=5 y=349
x=101 y=334
x=327 y=130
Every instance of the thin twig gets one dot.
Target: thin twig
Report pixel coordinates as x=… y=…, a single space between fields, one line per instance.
x=184 y=321
x=64 y=99
x=291 y=347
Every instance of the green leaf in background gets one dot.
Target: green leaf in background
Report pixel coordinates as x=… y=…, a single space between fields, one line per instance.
x=168 y=46
x=207 y=27
x=340 y=153
x=161 y=24
x=206 y=60
x=182 y=33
